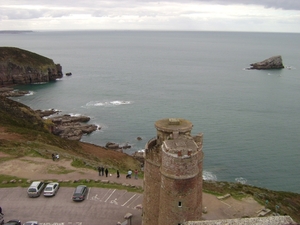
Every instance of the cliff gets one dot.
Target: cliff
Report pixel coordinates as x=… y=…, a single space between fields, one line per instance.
x=18 y=66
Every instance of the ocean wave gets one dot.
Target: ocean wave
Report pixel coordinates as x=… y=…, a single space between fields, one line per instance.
x=107 y=103
x=241 y=180
x=206 y=175
x=30 y=93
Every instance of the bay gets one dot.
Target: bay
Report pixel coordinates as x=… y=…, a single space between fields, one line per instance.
x=127 y=80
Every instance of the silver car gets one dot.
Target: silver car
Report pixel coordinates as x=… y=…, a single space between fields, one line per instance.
x=31 y=223
x=51 y=189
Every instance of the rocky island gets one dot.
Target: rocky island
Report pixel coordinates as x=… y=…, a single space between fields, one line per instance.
x=274 y=62
x=19 y=66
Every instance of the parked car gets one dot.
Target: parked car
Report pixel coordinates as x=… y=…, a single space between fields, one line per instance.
x=80 y=193
x=1 y=218
x=31 y=223
x=13 y=222
x=35 y=189
x=51 y=189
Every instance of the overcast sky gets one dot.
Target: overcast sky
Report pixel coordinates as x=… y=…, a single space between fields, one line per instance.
x=191 y=15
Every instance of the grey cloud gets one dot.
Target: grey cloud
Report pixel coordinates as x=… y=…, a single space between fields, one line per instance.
x=277 y=4
x=283 y=4
x=20 y=14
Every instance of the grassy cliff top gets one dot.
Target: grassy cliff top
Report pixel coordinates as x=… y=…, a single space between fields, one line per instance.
x=23 y=57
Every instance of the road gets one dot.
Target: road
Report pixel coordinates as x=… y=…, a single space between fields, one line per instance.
x=101 y=207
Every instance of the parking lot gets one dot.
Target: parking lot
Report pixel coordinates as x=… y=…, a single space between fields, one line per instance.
x=101 y=207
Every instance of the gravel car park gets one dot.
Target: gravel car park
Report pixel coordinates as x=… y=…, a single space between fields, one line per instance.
x=101 y=206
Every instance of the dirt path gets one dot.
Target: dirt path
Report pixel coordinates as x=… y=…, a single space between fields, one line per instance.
x=34 y=168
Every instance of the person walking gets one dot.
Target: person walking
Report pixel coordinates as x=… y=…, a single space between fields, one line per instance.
x=99 y=170
x=129 y=174
x=106 y=172
x=136 y=174
x=102 y=171
x=118 y=174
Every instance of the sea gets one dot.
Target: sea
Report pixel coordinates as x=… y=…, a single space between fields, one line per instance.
x=126 y=80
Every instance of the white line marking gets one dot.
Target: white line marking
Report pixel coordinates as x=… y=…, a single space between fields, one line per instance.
x=133 y=201
x=114 y=201
x=88 y=193
x=110 y=195
x=105 y=195
x=129 y=200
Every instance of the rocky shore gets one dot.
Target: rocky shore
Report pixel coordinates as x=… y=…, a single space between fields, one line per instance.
x=68 y=126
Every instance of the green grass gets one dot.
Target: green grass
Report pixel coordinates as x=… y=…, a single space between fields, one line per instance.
x=59 y=170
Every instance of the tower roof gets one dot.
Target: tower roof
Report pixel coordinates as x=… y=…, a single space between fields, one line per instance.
x=173 y=124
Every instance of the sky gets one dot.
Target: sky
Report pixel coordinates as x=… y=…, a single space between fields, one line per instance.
x=181 y=15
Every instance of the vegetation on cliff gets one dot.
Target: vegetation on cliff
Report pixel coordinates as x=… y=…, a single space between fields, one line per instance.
x=23 y=57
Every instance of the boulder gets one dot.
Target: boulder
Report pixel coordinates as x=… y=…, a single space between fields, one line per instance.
x=112 y=145
x=45 y=113
x=274 y=62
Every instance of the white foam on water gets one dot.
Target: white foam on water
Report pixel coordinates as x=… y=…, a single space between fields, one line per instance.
x=107 y=103
x=241 y=180
x=207 y=175
x=120 y=102
x=30 y=93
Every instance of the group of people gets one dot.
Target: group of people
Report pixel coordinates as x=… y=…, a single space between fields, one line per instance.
x=102 y=170
x=129 y=173
x=55 y=156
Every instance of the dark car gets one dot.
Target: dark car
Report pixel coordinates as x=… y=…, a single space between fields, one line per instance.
x=80 y=193
x=13 y=222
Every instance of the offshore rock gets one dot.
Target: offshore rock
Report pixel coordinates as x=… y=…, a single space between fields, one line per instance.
x=274 y=62
x=18 y=66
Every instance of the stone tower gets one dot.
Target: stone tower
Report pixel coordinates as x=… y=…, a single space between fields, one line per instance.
x=173 y=174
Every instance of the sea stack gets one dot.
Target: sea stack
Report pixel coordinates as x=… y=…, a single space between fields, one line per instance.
x=274 y=62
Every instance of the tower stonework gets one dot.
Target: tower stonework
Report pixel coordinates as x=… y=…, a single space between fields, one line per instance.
x=173 y=174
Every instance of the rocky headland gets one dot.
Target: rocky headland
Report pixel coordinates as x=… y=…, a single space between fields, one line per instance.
x=19 y=66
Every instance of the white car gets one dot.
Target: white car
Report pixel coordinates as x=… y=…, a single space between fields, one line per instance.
x=31 y=223
x=51 y=189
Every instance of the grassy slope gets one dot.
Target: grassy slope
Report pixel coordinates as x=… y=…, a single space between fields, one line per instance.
x=23 y=133
x=28 y=134
x=23 y=57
